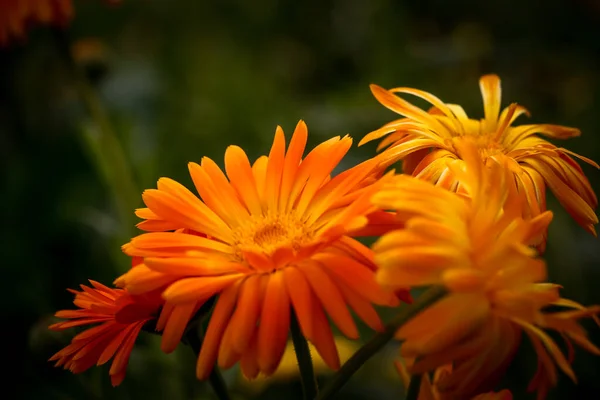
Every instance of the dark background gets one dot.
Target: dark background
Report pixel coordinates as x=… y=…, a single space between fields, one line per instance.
x=184 y=79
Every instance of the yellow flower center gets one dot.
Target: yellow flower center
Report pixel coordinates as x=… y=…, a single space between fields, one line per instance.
x=486 y=143
x=265 y=234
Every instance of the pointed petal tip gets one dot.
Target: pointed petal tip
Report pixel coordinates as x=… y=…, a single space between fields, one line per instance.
x=369 y=137
x=120 y=282
x=233 y=147
x=573 y=132
x=193 y=164
x=301 y=128
x=202 y=372
x=376 y=89
x=150 y=192
x=168 y=347
x=55 y=327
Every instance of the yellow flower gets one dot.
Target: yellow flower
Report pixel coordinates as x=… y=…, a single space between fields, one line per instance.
x=476 y=244
x=266 y=238
x=427 y=140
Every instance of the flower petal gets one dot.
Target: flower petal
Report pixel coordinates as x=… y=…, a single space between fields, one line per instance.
x=274 y=324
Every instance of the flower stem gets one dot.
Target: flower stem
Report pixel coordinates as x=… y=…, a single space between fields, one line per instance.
x=218 y=384
x=414 y=387
x=307 y=373
x=363 y=354
x=194 y=338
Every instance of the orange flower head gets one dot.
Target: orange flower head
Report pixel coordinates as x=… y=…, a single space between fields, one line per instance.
x=266 y=238
x=427 y=140
x=15 y=15
x=475 y=243
x=120 y=317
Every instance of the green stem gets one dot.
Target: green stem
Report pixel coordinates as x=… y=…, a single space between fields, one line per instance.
x=363 y=354
x=414 y=387
x=193 y=338
x=218 y=384
x=307 y=373
x=102 y=143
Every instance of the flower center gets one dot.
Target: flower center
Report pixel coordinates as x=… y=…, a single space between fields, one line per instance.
x=266 y=234
x=487 y=145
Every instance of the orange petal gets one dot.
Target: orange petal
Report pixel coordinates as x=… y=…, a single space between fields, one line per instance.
x=359 y=252
x=332 y=192
x=436 y=102
x=248 y=362
x=443 y=323
x=122 y=357
x=175 y=326
x=214 y=333
x=198 y=289
x=309 y=165
x=274 y=324
x=363 y=309
x=165 y=313
x=492 y=96
x=228 y=355
x=174 y=202
x=192 y=266
x=173 y=244
x=274 y=170
x=142 y=279
x=399 y=151
x=406 y=109
x=322 y=337
x=551 y=346
x=331 y=298
x=302 y=299
x=218 y=195
x=240 y=174
x=247 y=312
x=224 y=186
x=358 y=277
x=291 y=163
x=570 y=200
x=322 y=168
x=115 y=344
x=394 y=126
x=259 y=171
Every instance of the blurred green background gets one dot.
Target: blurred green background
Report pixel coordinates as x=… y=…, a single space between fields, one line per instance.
x=181 y=80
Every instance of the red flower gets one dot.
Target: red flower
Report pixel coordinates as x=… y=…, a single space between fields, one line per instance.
x=121 y=317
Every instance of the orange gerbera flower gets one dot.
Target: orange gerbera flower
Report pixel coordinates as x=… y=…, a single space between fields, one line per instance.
x=120 y=315
x=476 y=244
x=426 y=141
x=278 y=238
